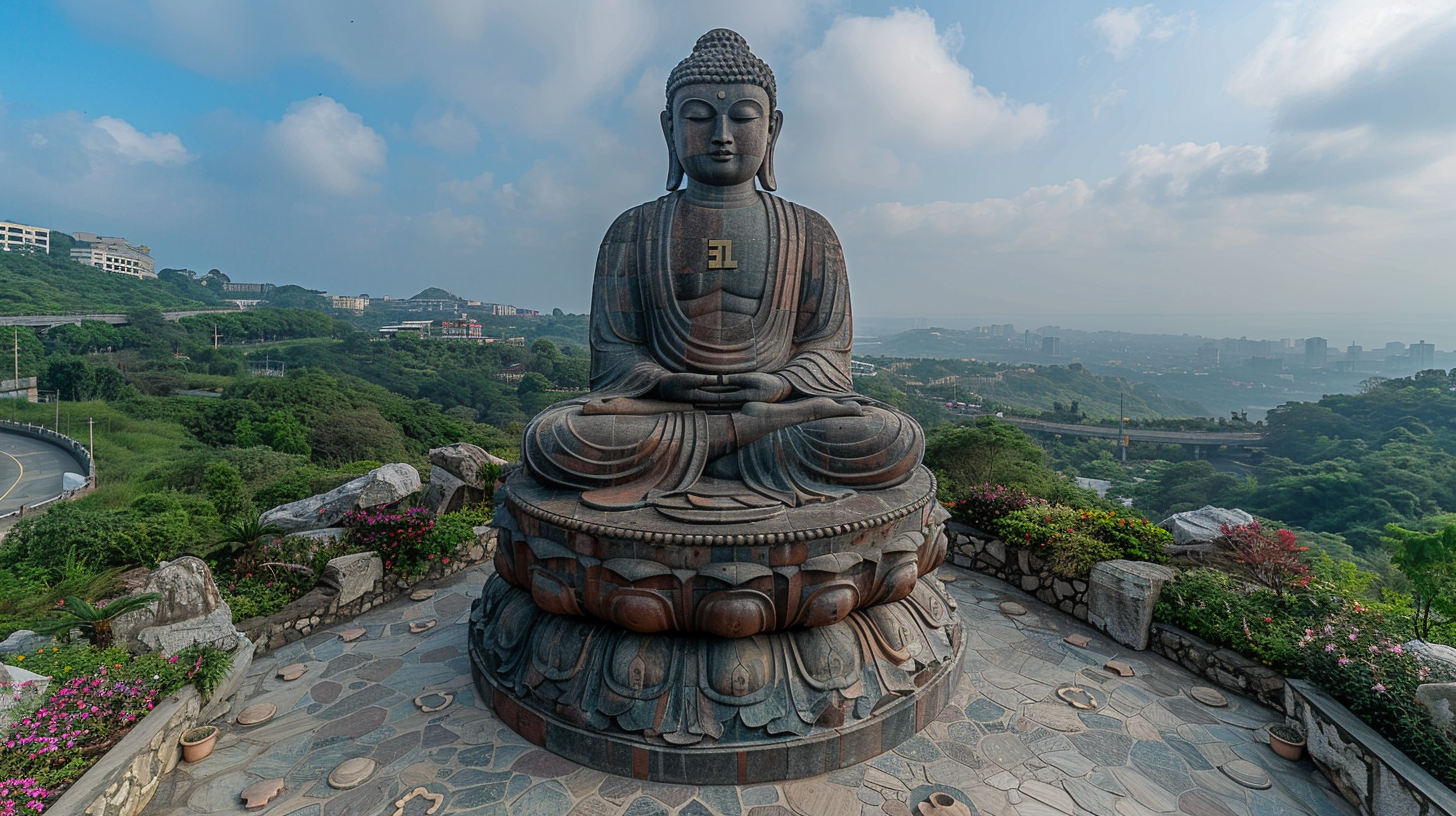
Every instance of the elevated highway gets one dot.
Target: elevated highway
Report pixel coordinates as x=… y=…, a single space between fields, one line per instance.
x=47 y=321
x=1196 y=439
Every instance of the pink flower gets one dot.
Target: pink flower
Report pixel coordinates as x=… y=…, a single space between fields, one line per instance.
x=1378 y=688
x=1329 y=647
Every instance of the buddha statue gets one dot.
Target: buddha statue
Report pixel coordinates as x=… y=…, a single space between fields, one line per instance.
x=720 y=331
x=717 y=567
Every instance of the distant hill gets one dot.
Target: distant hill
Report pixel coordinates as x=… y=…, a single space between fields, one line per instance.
x=55 y=284
x=435 y=293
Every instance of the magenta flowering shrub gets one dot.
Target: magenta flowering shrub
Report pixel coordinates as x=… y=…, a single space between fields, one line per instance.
x=1353 y=658
x=41 y=754
x=24 y=795
x=985 y=505
x=402 y=538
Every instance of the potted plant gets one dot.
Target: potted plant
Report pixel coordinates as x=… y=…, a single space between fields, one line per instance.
x=1287 y=740
x=198 y=742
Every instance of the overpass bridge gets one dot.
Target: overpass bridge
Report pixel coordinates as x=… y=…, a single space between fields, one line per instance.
x=1198 y=440
x=47 y=321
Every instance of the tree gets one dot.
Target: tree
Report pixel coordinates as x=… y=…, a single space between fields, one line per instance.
x=94 y=620
x=223 y=486
x=1429 y=561
x=245 y=435
x=988 y=452
x=285 y=434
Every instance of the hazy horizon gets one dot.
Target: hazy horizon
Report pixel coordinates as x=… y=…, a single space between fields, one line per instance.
x=1058 y=162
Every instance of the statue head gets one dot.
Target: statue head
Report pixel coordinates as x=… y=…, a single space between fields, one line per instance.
x=722 y=118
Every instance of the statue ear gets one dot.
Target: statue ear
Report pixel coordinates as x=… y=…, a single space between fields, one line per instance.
x=766 y=178
x=674 y=166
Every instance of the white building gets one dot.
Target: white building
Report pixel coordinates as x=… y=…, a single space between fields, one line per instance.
x=113 y=255
x=352 y=303
x=23 y=237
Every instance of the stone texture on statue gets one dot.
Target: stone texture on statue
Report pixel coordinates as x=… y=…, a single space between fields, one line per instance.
x=1121 y=596
x=383 y=485
x=808 y=567
x=724 y=706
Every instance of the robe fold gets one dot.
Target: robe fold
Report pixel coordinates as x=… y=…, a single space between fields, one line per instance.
x=800 y=331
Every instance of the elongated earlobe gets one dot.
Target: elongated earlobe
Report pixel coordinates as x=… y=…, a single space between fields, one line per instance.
x=766 y=178
x=674 y=166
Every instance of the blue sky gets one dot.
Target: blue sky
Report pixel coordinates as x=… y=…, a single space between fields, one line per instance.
x=1276 y=170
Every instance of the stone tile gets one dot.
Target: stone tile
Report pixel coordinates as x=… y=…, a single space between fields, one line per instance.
x=1203 y=803
x=1070 y=763
x=1105 y=748
x=1090 y=797
x=545 y=799
x=1004 y=750
x=1054 y=796
x=983 y=710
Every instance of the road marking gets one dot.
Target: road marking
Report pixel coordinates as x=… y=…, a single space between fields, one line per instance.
x=17 y=478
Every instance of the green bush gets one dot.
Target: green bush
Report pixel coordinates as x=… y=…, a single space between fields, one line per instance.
x=1072 y=540
x=1254 y=621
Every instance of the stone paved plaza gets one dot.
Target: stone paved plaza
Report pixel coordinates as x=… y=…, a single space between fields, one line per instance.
x=1007 y=746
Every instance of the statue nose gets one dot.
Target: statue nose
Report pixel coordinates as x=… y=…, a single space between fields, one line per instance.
x=721 y=133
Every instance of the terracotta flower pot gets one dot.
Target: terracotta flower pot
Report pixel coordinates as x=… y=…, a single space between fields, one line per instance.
x=1286 y=741
x=198 y=742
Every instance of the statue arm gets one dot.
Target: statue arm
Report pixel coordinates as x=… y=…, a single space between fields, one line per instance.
x=621 y=364
x=823 y=332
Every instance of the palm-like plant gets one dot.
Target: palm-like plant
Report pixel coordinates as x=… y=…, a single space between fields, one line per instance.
x=94 y=620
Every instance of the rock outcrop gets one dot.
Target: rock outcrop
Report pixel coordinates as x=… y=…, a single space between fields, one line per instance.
x=189 y=612
x=461 y=474
x=383 y=485
x=1203 y=525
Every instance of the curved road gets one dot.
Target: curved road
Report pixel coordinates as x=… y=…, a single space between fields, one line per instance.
x=30 y=471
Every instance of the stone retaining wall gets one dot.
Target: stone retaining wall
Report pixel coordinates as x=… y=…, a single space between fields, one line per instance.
x=322 y=606
x=1225 y=667
x=123 y=781
x=1368 y=771
x=981 y=552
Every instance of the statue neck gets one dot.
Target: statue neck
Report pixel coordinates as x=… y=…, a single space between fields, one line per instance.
x=721 y=198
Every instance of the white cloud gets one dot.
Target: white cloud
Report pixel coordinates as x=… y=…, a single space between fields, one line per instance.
x=1172 y=171
x=880 y=89
x=1102 y=102
x=1121 y=29
x=322 y=142
x=1317 y=47
x=468 y=191
x=119 y=137
x=449 y=133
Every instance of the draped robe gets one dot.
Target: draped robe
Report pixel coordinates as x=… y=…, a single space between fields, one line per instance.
x=800 y=331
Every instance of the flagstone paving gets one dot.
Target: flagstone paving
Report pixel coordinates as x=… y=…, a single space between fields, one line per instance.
x=1006 y=746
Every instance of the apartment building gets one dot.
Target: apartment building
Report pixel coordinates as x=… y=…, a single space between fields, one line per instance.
x=24 y=237
x=351 y=303
x=113 y=255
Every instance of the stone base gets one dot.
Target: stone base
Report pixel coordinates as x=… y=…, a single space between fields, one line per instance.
x=640 y=570
x=709 y=710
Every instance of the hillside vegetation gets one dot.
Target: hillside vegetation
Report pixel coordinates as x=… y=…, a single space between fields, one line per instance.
x=32 y=284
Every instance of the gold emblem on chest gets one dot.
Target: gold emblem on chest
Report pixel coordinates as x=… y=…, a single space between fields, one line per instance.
x=720 y=254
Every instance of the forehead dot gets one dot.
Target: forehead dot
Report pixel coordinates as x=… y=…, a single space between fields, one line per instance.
x=722 y=94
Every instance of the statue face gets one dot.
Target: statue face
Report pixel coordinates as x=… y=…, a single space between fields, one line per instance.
x=722 y=133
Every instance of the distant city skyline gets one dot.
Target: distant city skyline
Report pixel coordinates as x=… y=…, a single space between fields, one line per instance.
x=1243 y=168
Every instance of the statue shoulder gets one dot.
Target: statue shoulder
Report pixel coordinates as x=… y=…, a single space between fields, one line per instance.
x=628 y=226
x=815 y=224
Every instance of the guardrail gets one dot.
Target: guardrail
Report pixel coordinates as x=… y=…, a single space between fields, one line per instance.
x=60 y=440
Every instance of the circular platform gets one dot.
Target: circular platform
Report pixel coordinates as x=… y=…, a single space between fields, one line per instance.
x=712 y=710
x=807 y=566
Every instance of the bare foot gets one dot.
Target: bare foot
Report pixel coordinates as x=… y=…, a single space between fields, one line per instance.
x=758 y=419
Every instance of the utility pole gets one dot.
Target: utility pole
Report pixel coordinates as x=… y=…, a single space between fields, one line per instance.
x=214 y=335
x=91 y=443
x=1121 y=435
x=15 y=409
